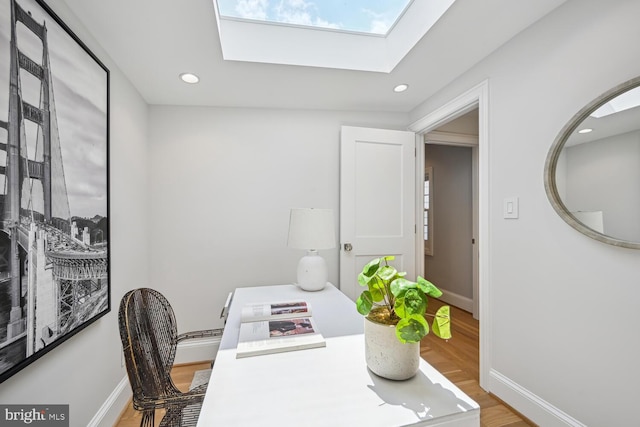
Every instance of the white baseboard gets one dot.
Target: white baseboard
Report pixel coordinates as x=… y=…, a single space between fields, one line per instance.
x=188 y=352
x=456 y=300
x=197 y=350
x=530 y=405
x=111 y=409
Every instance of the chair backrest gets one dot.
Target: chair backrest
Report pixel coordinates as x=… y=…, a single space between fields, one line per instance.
x=149 y=339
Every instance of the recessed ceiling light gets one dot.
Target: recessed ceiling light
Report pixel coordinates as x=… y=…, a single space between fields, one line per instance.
x=189 y=78
x=401 y=88
x=585 y=130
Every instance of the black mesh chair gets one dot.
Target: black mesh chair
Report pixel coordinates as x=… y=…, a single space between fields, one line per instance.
x=149 y=339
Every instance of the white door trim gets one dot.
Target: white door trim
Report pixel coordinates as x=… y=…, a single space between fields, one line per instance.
x=476 y=96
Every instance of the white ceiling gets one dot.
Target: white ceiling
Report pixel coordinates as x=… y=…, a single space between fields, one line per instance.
x=153 y=41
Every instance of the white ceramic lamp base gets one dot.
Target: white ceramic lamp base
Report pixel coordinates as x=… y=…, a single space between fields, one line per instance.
x=312 y=272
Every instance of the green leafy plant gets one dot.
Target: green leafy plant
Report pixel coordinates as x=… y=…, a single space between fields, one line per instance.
x=392 y=299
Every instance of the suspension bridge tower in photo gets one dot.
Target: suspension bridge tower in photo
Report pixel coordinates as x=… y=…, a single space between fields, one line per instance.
x=54 y=279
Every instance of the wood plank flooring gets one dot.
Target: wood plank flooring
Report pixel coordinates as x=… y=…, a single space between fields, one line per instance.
x=182 y=376
x=457 y=359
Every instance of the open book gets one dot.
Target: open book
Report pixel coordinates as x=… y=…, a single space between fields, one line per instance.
x=277 y=327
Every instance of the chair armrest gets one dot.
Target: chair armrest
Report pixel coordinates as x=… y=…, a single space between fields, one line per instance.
x=206 y=333
x=225 y=310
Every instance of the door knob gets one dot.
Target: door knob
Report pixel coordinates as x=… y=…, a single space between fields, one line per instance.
x=348 y=247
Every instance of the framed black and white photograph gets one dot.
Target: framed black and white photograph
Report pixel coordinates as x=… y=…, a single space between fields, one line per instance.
x=54 y=184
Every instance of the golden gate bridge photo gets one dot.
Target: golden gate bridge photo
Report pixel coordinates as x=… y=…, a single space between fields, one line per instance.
x=54 y=263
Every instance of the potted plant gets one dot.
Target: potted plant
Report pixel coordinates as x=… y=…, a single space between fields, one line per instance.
x=395 y=309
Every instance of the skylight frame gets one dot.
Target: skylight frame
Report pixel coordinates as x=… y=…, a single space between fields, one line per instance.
x=291 y=44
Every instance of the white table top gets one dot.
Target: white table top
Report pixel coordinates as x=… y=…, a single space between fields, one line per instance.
x=323 y=386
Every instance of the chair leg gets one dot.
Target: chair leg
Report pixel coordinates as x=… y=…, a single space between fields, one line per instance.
x=148 y=418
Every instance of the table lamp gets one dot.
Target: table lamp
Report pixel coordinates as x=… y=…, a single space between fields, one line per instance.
x=312 y=229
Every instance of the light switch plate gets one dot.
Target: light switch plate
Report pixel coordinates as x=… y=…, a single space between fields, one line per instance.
x=510 y=208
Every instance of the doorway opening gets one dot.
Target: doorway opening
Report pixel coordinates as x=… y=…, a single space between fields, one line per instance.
x=475 y=98
x=451 y=210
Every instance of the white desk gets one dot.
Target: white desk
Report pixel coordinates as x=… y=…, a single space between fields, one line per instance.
x=328 y=386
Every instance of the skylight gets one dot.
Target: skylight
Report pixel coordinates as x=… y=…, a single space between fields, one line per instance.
x=364 y=16
x=367 y=35
x=627 y=100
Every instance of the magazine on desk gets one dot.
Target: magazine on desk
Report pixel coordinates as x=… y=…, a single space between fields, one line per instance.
x=267 y=328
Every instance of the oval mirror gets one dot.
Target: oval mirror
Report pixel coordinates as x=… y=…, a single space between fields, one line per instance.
x=592 y=172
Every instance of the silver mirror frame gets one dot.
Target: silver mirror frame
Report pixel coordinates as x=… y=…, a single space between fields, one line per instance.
x=552 y=162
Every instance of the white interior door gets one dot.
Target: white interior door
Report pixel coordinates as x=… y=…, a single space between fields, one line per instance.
x=377 y=201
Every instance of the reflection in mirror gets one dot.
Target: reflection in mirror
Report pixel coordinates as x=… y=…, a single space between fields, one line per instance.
x=592 y=175
x=428 y=211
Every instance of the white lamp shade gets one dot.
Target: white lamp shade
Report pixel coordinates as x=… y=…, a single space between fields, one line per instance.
x=311 y=228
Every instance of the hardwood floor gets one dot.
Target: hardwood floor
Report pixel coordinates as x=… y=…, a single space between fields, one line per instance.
x=457 y=359
x=182 y=376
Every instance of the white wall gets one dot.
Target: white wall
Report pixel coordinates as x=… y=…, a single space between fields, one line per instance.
x=85 y=370
x=222 y=182
x=451 y=265
x=564 y=306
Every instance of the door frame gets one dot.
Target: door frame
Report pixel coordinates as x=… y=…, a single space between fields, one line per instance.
x=477 y=96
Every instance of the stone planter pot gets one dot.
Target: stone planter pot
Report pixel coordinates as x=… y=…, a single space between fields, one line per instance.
x=386 y=356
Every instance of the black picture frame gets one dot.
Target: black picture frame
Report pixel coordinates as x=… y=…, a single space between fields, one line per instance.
x=54 y=184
